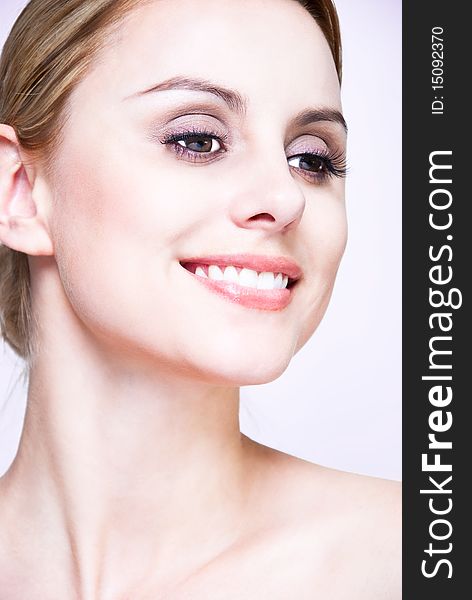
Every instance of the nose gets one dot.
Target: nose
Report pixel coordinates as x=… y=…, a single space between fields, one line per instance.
x=267 y=197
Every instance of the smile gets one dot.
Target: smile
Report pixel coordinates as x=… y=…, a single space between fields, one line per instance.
x=252 y=281
x=266 y=280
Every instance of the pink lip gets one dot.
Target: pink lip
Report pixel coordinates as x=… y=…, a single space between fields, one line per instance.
x=260 y=263
x=272 y=300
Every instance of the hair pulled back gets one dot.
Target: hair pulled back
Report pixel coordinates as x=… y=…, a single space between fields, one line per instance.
x=48 y=51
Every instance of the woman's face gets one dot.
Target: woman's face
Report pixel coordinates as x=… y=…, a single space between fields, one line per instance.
x=147 y=180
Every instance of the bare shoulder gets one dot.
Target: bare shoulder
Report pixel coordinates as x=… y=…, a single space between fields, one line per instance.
x=333 y=491
x=343 y=524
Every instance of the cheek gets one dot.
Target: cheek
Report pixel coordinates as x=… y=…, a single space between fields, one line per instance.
x=326 y=230
x=118 y=232
x=325 y=233
x=112 y=229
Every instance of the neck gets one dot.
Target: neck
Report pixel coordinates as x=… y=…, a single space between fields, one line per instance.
x=118 y=466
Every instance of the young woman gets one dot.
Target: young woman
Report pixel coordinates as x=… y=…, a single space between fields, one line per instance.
x=172 y=219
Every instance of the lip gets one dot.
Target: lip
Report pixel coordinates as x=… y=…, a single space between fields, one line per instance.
x=271 y=300
x=256 y=262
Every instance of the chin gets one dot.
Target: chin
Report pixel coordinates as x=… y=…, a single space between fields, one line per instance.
x=248 y=368
x=239 y=356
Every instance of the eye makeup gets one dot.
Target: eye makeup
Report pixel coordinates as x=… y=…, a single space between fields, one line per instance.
x=203 y=138
x=196 y=137
x=313 y=159
x=319 y=166
x=195 y=144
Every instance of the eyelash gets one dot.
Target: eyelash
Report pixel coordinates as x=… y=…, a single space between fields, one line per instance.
x=173 y=139
x=332 y=163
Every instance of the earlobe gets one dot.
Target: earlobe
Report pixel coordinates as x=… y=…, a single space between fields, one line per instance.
x=22 y=226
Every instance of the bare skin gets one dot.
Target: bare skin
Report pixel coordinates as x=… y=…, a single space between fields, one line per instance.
x=301 y=531
x=132 y=479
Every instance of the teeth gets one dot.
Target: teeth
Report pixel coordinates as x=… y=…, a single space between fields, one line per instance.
x=278 y=281
x=214 y=272
x=231 y=274
x=248 y=277
x=266 y=280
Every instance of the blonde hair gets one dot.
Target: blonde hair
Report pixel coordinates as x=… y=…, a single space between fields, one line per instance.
x=48 y=51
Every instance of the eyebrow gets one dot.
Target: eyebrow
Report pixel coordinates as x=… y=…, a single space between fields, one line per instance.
x=237 y=102
x=317 y=115
x=232 y=98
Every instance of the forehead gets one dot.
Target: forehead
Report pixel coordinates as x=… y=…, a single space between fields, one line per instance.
x=272 y=51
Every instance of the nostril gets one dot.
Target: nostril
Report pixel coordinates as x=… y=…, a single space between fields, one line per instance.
x=263 y=216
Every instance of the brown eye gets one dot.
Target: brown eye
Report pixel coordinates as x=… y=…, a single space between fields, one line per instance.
x=308 y=162
x=200 y=143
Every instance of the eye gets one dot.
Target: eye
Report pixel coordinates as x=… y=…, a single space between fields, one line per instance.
x=195 y=146
x=318 y=167
x=199 y=143
x=308 y=162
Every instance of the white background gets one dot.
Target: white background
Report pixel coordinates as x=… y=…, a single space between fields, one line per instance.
x=339 y=402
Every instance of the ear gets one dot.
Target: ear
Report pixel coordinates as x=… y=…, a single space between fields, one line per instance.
x=23 y=226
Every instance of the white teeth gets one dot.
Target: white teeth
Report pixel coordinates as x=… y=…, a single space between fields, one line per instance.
x=278 y=281
x=248 y=277
x=265 y=281
x=214 y=272
x=201 y=272
x=231 y=274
